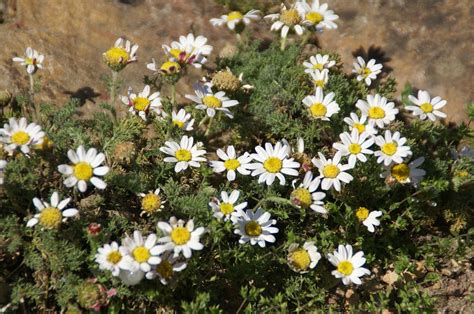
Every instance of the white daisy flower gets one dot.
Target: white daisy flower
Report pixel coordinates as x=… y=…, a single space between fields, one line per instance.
x=368 y=219
x=166 y=68
x=19 y=134
x=255 y=228
x=121 y=54
x=332 y=171
x=425 y=107
x=179 y=237
x=391 y=148
x=273 y=162
x=3 y=164
x=86 y=167
x=302 y=259
x=184 y=153
x=231 y=163
x=140 y=252
x=349 y=266
x=367 y=72
x=189 y=50
x=406 y=173
x=50 y=215
x=286 y=20
x=110 y=257
x=151 y=202
x=33 y=60
x=318 y=62
x=355 y=145
x=226 y=208
x=143 y=103
x=207 y=100
x=319 y=78
x=317 y=16
x=378 y=110
x=320 y=106
x=182 y=120
x=305 y=194
x=235 y=18
x=359 y=124
x=166 y=269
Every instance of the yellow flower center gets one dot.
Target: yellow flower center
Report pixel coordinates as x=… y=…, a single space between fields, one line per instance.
x=45 y=144
x=114 y=257
x=320 y=83
x=345 y=268
x=180 y=235
x=117 y=55
x=389 y=148
x=318 y=66
x=376 y=113
x=301 y=196
x=362 y=213
x=141 y=254
x=178 y=123
x=331 y=171
x=427 y=107
x=314 y=17
x=151 y=202
x=50 y=217
x=183 y=155
x=253 y=229
x=170 y=67
x=359 y=126
x=290 y=17
x=462 y=173
x=82 y=171
x=231 y=164
x=178 y=54
x=354 y=148
x=226 y=208
x=20 y=138
x=30 y=61
x=273 y=164
x=400 y=172
x=234 y=15
x=318 y=110
x=211 y=101
x=300 y=259
x=365 y=72
x=165 y=269
x=141 y=103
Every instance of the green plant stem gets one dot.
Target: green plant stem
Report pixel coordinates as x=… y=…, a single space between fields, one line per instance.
x=113 y=87
x=203 y=120
x=283 y=44
x=211 y=119
x=275 y=199
x=32 y=97
x=305 y=38
x=173 y=95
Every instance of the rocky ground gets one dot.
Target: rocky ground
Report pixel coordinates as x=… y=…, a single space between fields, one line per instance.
x=425 y=42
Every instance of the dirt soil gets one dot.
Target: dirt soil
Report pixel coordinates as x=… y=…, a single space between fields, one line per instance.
x=425 y=42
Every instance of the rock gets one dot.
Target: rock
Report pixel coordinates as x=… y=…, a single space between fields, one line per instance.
x=423 y=42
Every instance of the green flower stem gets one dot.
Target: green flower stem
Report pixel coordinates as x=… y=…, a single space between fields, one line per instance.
x=274 y=199
x=173 y=95
x=211 y=119
x=113 y=87
x=283 y=43
x=32 y=98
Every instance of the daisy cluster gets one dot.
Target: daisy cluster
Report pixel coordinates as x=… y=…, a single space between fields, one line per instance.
x=310 y=177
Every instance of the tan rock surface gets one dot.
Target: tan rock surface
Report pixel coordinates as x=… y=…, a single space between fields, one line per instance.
x=426 y=42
